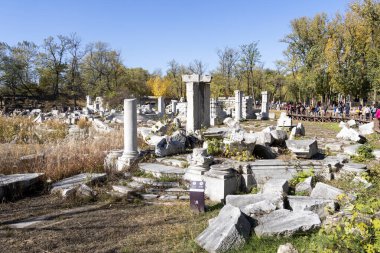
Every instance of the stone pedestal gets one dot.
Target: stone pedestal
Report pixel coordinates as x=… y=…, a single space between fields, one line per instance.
x=221 y=180
x=198 y=101
x=199 y=164
x=130 y=135
x=238 y=105
x=264 y=105
x=161 y=106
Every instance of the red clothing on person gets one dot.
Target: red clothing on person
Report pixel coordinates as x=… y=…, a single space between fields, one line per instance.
x=377 y=115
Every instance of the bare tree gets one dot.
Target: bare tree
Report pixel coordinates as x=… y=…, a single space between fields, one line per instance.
x=197 y=67
x=249 y=58
x=174 y=74
x=228 y=58
x=74 y=78
x=54 y=59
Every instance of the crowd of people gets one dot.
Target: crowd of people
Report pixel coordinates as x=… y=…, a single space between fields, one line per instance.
x=336 y=109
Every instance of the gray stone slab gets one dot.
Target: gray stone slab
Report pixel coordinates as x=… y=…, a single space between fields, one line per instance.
x=153 y=182
x=230 y=230
x=336 y=147
x=355 y=168
x=122 y=189
x=180 y=162
x=352 y=149
x=286 y=223
x=325 y=191
x=276 y=186
x=306 y=186
x=160 y=170
x=316 y=205
x=77 y=180
x=258 y=209
x=303 y=148
x=248 y=199
x=16 y=184
x=168 y=198
x=149 y=196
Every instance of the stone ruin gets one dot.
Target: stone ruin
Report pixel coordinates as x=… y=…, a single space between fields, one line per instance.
x=198 y=101
x=270 y=211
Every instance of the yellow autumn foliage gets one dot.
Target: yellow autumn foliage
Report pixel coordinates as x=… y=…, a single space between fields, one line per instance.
x=160 y=86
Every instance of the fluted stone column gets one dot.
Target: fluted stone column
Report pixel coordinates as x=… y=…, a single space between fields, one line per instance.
x=130 y=135
x=238 y=105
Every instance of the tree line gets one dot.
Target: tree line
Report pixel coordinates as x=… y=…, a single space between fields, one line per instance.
x=325 y=57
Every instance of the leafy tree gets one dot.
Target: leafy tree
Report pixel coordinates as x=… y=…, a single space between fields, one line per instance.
x=160 y=86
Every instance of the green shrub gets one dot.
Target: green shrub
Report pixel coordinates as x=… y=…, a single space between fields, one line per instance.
x=364 y=153
x=215 y=147
x=301 y=176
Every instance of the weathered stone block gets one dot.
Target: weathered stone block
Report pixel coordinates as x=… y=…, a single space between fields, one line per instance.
x=303 y=148
x=286 y=223
x=325 y=191
x=230 y=230
x=319 y=206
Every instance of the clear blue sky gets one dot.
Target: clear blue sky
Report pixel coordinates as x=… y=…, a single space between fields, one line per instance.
x=149 y=33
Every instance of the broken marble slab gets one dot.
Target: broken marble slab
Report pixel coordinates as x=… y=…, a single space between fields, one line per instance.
x=367 y=129
x=258 y=209
x=276 y=186
x=176 y=161
x=354 y=168
x=305 y=187
x=123 y=190
x=154 y=182
x=286 y=223
x=352 y=149
x=14 y=185
x=76 y=181
x=160 y=170
x=351 y=135
x=335 y=147
x=248 y=199
x=322 y=190
x=319 y=206
x=303 y=148
x=229 y=230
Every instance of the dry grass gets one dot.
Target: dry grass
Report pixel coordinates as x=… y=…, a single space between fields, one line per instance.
x=61 y=157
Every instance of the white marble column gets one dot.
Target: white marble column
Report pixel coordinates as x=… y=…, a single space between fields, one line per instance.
x=88 y=101
x=161 y=105
x=130 y=134
x=264 y=105
x=238 y=105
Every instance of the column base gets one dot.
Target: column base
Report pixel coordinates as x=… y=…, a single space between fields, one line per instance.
x=125 y=161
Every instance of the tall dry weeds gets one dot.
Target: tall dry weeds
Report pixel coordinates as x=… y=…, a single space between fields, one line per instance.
x=61 y=157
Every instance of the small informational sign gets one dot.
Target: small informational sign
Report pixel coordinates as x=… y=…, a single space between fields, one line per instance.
x=197 y=196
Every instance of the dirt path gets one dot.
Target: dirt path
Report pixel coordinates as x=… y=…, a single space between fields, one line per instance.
x=100 y=227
